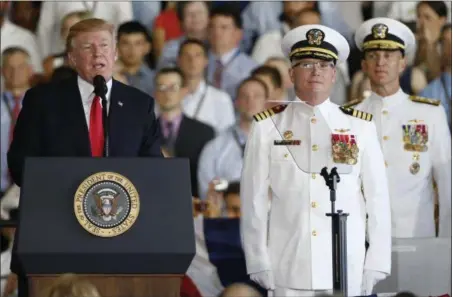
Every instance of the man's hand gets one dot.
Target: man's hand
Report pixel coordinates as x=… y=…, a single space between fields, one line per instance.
x=264 y=278
x=215 y=201
x=370 y=279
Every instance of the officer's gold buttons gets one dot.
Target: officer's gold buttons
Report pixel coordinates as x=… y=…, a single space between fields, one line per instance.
x=313 y=121
x=385 y=137
x=314 y=233
x=386 y=164
x=313 y=175
x=385 y=112
x=314 y=147
x=314 y=204
x=286 y=156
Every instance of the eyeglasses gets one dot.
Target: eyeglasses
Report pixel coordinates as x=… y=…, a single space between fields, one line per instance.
x=310 y=65
x=168 y=88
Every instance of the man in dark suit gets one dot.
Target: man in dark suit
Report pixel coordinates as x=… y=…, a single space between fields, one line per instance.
x=182 y=136
x=65 y=118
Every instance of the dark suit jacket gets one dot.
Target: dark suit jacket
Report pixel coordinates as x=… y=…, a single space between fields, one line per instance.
x=192 y=137
x=52 y=123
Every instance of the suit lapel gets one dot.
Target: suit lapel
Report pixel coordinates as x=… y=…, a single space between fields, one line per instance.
x=182 y=132
x=116 y=114
x=75 y=116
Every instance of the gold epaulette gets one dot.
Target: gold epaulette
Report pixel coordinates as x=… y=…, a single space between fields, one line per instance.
x=425 y=100
x=352 y=103
x=270 y=112
x=357 y=113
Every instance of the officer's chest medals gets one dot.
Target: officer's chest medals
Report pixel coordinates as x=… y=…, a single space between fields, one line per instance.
x=415 y=140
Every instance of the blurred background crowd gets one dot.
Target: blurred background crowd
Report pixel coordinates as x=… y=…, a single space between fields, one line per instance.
x=205 y=106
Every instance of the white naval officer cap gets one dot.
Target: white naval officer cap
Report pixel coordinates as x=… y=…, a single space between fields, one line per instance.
x=315 y=41
x=384 y=34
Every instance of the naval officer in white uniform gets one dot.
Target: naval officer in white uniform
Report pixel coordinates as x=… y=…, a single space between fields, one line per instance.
x=288 y=250
x=413 y=132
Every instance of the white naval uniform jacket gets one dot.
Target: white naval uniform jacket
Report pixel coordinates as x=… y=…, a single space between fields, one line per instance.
x=296 y=241
x=412 y=195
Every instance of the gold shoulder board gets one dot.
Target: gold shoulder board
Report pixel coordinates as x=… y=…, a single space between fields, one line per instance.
x=357 y=113
x=352 y=103
x=269 y=112
x=425 y=100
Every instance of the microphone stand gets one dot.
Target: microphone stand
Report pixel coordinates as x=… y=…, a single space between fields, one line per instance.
x=339 y=236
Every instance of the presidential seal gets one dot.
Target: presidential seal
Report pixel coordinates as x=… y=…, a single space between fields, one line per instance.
x=106 y=204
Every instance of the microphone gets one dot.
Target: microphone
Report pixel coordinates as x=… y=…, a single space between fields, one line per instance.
x=100 y=89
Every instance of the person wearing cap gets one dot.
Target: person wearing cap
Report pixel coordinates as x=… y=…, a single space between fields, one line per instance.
x=288 y=246
x=413 y=132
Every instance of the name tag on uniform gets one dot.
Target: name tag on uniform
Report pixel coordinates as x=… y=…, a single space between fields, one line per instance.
x=344 y=149
x=287 y=142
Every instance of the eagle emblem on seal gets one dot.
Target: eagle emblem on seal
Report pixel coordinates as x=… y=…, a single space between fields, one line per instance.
x=379 y=31
x=315 y=37
x=106 y=204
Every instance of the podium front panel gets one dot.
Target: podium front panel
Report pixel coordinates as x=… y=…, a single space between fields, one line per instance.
x=51 y=240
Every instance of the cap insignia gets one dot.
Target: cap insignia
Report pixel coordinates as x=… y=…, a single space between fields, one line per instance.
x=315 y=37
x=379 y=31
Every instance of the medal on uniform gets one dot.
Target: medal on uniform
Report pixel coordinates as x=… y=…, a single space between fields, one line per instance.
x=344 y=149
x=415 y=138
x=415 y=168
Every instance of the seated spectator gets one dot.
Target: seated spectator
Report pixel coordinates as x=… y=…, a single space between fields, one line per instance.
x=431 y=17
x=222 y=157
x=273 y=80
x=70 y=285
x=194 y=17
x=440 y=88
x=203 y=102
x=166 y=27
x=60 y=59
x=12 y=35
x=17 y=72
x=26 y=14
x=283 y=65
x=228 y=66
x=182 y=136
x=134 y=43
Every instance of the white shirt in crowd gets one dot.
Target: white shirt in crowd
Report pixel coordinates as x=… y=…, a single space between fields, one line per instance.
x=221 y=158
x=15 y=36
x=52 y=13
x=211 y=106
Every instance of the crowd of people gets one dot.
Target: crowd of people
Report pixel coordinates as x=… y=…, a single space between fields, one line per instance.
x=213 y=68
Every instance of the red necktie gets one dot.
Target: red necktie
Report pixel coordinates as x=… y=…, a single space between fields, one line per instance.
x=14 y=116
x=96 y=129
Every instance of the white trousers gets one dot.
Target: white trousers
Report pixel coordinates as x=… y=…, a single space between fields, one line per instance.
x=285 y=292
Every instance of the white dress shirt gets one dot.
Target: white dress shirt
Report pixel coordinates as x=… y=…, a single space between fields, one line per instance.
x=87 y=94
x=412 y=194
x=211 y=106
x=15 y=36
x=221 y=158
x=52 y=13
